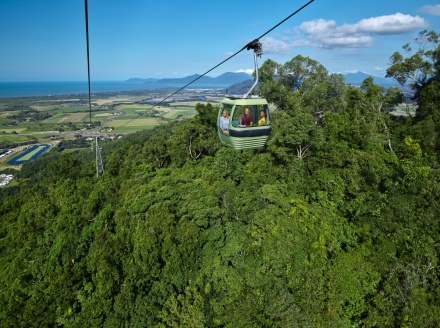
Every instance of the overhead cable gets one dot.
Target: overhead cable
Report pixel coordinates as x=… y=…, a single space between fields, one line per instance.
x=247 y=46
x=88 y=60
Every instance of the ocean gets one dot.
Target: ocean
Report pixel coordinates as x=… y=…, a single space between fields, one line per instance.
x=54 y=88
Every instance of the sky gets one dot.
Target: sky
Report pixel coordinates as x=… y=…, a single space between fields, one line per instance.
x=45 y=40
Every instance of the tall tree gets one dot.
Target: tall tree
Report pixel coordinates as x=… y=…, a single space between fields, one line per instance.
x=302 y=84
x=418 y=69
x=421 y=72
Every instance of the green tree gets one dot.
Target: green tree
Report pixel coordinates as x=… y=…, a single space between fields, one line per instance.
x=294 y=135
x=421 y=68
x=302 y=84
x=421 y=71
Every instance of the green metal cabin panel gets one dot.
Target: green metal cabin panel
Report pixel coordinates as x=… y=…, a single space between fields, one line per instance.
x=245 y=102
x=225 y=139
x=248 y=143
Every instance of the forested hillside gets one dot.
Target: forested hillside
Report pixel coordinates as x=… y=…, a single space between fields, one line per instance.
x=335 y=223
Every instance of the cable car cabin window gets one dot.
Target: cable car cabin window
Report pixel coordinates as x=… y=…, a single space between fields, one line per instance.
x=256 y=115
x=228 y=108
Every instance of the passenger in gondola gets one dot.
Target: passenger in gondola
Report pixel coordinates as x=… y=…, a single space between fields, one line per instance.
x=224 y=122
x=246 y=118
x=262 y=120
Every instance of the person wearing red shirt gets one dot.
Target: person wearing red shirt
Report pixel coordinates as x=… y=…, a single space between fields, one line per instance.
x=246 y=118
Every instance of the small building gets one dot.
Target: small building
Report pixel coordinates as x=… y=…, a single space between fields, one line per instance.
x=5 y=179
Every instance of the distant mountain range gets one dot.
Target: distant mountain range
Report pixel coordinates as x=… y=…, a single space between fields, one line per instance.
x=241 y=88
x=357 y=78
x=244 y=80
x=228 y=78
x=139 y=80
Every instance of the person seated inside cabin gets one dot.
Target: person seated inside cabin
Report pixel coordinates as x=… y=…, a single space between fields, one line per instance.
x=246 y=118
x=224 y=122
x=262 y=120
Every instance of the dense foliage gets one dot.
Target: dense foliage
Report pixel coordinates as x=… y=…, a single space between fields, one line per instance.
x=333 y=224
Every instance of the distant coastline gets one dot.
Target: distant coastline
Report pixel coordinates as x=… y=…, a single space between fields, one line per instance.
x=226 y=80
x=58 y=88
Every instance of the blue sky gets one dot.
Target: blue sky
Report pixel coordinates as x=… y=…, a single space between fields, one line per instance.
x=46 y=39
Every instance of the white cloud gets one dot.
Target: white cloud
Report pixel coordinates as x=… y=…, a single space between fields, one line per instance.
x=321 y=33
x=274 y=46
x=348 y=72
x=247 y=71
x=318 y=26
x=391 y=24
x=431 y=10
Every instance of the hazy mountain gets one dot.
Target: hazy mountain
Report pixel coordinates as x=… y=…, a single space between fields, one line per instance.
x=228 y=78
x=231 y=78
x=140 y=80
x=241 y=88
x=244 y=80
x=357 y=78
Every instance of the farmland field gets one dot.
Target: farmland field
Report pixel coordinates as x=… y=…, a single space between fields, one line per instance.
x=132 y=125
x=25 y=119
x=404 y=110
x=56 y=117
x=10 y=130
x=74 y=117
x=117 y=99
x=175 y=113
x=13 y=138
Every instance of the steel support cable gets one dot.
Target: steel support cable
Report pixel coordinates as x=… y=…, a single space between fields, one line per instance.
x=189 y=83
x=247 y=46
x=88 y=60
x=288 y=17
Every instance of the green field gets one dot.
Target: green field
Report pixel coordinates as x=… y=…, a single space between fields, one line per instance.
x=10 y=130
x=133 y=125
x=125 y=113
x=56 y=117
x=177 y=113
x=134 y=107
x=13 y=138
x=132 y=110
x=74 y=117
x=132 y=129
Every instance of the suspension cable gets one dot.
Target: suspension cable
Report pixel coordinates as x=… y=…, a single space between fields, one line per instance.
x=247 y=46
x=288 y=17
x=88 y=61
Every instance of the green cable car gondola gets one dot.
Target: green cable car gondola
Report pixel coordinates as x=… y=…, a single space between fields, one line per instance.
x=244 y=121
x=245 y=135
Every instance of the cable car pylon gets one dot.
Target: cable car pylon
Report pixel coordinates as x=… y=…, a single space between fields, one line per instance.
x=99 y=163
x=98 y=157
